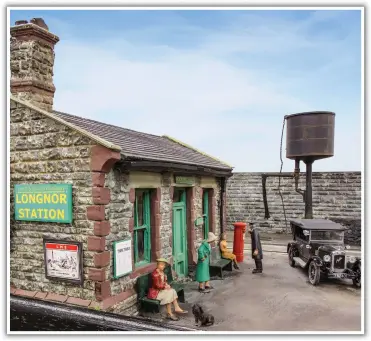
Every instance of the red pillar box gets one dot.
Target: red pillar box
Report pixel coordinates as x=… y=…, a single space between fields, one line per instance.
x=239 y=240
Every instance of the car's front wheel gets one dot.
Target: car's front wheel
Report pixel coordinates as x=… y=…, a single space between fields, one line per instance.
x=291 y=257
x=314 y=273
x=357 y=280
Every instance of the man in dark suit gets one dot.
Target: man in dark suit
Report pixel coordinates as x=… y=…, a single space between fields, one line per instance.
x=256 y=248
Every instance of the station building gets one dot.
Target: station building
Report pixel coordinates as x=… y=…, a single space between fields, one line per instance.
x=75 y=180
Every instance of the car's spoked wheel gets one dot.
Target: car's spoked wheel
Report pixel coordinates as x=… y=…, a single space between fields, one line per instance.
x=314 y=273
x=357 y=280
x=291 y=257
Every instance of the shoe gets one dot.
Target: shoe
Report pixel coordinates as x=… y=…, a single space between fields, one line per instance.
x=203 y=290
x=172 y=317
x=236 y=266
x=257 y=271
x=182 y=312
x=208 y=287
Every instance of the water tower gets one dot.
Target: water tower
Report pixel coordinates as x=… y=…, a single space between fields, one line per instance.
x=309 y=137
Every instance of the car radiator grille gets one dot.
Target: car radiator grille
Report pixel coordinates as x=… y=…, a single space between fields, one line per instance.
x=339 y=262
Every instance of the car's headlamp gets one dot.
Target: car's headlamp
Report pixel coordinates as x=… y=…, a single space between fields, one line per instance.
x=352 y=259
x=326 y=258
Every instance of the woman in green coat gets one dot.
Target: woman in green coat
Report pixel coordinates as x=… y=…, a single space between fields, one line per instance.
x=203 y=263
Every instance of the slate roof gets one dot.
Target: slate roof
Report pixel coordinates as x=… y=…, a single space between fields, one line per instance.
x=138 y=145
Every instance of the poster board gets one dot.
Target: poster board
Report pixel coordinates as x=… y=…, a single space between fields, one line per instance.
x=63 y=261
x=122 y=258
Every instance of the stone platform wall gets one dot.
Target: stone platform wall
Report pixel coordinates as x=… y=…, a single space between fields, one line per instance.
x=336 y=196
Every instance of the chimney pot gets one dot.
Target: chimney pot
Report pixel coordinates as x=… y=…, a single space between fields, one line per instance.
x=39 y=22
x=21 y=22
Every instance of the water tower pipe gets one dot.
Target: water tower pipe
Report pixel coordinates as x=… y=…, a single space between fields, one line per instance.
x=264 y=182
x=308 y=190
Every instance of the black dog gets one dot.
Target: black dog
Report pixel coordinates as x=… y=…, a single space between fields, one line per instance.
x=202 y=317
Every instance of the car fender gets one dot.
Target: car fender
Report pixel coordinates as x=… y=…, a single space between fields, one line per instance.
x=291 y=244
x=316 y=259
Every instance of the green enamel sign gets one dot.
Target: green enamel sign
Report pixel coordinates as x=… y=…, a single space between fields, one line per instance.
x=199 y=221
x=43 y=202
x=185 y=180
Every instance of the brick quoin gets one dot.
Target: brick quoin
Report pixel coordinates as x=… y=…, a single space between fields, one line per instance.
x=98 y=275
x=102 y=259
x=155 y=224
x=132 y=195
x=102 y=228
x=101 y=195
x=102 y=290
x=96 y=243
x=191 y=233
x=96 y=213
x=101 y=162
x=98 y=179
x=212 y=209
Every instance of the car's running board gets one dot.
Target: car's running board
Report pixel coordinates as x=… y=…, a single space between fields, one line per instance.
x=299 y=261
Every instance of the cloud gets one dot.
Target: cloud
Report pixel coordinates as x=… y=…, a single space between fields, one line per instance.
x=220 y=95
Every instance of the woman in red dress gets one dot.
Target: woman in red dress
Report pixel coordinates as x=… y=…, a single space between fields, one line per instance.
x=163 y=292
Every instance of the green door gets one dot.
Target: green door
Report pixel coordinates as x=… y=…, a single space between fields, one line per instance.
x=205 y=211
x=179 y=233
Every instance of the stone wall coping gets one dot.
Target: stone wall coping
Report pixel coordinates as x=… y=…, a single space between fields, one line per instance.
x=314 y=173
x=74 y=301
x=93 y=137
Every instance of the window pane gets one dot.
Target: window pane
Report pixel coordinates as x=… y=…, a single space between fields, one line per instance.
x=140 y=245
x=140 y=208
x=177 y=196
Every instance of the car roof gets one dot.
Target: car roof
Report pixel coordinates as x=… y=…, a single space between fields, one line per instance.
x=318 y=224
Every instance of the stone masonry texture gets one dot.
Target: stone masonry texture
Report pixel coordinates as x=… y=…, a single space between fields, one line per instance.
x=336 y=196
x=31 y=65
x=44 y=151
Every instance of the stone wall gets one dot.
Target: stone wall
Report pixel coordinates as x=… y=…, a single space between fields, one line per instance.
x=118 y=213
x=44 y=151
x=336 y=196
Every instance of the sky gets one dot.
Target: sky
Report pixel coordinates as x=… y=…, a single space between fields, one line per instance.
x=219 y=80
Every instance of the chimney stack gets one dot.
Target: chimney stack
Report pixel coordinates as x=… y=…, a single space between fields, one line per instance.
x=32 y=61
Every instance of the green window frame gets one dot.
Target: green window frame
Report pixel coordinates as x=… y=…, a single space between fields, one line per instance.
x=142 y=225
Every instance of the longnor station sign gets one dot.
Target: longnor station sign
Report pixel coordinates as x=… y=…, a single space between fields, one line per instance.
x=43 y=202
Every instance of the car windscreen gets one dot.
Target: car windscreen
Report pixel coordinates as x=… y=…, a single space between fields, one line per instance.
x=327 y=235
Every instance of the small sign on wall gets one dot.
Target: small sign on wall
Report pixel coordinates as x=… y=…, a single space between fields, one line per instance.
x=63 y=261
x=122 y=258
x=184 y=180
x=43 y=202
x=199 y=221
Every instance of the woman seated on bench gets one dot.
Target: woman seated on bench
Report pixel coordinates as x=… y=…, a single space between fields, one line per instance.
x=225 y=253
x=163 y=292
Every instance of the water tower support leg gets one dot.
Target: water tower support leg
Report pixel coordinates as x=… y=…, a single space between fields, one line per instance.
x=308 y=192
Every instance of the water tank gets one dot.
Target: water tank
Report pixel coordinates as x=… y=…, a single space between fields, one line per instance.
x=310 y=135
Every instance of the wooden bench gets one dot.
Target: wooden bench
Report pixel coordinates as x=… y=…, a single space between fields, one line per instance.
x=218 y=264
x=144 y=282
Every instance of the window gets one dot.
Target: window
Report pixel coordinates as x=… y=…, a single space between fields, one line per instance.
x=142 y=233
x=301 y=234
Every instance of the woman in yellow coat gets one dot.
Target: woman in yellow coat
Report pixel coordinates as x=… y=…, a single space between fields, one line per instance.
x=224 y=251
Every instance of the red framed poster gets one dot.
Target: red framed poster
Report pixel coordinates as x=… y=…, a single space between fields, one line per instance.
x=63 y=261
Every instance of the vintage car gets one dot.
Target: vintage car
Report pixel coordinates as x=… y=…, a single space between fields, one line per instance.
x=318 y=247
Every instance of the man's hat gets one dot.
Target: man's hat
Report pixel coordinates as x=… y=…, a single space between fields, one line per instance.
x=162 y=260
